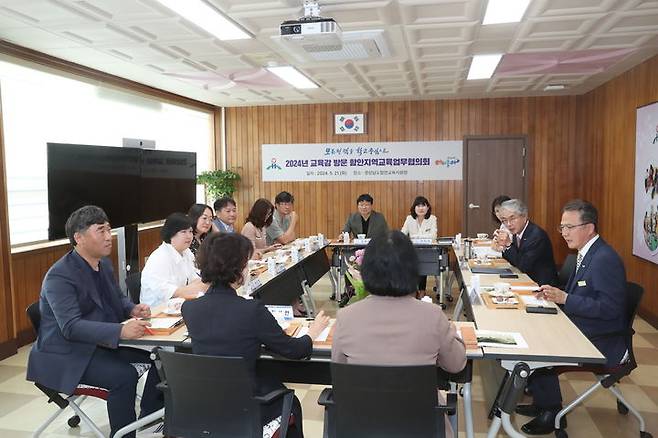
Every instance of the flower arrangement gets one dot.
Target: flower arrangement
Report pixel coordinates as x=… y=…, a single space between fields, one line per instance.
x=353 y=274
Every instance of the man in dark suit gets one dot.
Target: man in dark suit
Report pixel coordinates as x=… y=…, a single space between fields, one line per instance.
x=82 y=310
x=595 y=300
x=366 y=220
x=526 y=246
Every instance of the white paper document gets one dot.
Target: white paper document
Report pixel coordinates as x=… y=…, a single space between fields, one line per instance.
x=525 y=288
x=323 y=336
x=490 y=338
x=531 y=300
x=164 y=323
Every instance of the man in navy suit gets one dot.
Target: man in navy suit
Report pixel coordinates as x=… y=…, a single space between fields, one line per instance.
x=81 y=313
x=595 y=300
x=526 y=246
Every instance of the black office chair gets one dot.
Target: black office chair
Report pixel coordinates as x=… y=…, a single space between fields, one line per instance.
x=134 y=285
x=568 y=267
x=608 y=377
x=217 y=399
x=383 y=401
x=73 y=401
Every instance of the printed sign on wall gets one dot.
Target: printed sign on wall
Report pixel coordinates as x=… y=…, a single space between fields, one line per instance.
x=381 y=161
x=349 y=123
x=645 y=216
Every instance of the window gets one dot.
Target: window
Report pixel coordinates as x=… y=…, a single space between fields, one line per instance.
x=40 y=107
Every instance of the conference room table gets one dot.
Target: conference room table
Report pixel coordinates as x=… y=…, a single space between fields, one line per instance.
x=275 y=289
x=433 y=260
x=316 y=369
x=552 y=339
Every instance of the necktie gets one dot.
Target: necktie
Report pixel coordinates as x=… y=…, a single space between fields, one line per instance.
x=517 y=240
x=579 y=260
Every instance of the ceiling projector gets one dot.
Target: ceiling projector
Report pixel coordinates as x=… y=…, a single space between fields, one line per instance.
x=314 y=33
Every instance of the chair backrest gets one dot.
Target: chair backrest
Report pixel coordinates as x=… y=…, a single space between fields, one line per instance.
x=34 y=314
x=386 y=401
x=568 y=267
x=209 y=396
x=634 y=294
x=134 y=285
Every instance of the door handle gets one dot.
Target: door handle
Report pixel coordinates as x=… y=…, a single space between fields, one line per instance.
x=472 y=206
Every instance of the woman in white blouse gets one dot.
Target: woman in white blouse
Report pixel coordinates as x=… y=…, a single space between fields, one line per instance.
x=421 y=223
x=170 y=271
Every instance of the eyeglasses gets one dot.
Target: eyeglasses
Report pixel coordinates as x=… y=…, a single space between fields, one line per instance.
x=507 y=220
x=568 y=227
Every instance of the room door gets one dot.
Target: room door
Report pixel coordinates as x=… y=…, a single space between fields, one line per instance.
x=492 y=166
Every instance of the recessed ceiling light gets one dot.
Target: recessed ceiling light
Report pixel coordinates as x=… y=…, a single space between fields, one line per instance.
x=207 y=18
x=554 y=87
x=505 y=11
x=293 y=76
x=483 y=66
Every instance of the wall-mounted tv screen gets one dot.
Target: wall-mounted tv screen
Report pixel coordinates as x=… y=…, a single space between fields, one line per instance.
x=132 y=185
x=168 y=183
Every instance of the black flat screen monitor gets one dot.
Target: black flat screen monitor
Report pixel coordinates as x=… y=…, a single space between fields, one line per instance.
x=168 y=183
x=132 y=185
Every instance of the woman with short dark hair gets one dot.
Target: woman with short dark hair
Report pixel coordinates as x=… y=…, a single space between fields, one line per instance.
x=169 y=271
x=240 y=327
x=391 y=327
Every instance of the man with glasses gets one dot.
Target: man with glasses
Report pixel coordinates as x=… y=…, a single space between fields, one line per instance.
x=284 y=220
x=526 y=246
x=594 y=299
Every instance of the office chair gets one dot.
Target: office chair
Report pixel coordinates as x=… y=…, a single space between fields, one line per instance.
x=568 y=267
x=608 y=377
x=384 y=401
x=80 y=393
x=217 y=399
x=134 y=285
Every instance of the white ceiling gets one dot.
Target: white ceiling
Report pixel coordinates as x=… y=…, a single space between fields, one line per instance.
x=431 y=45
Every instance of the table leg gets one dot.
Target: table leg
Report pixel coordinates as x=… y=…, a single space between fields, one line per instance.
x=468 y=409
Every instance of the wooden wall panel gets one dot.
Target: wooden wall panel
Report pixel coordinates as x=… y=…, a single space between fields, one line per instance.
x=7 y=343
x=556 y=164
x=29 y=268
x=607 y=133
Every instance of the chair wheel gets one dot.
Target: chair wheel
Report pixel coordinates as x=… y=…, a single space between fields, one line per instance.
x=443 y=306
x=74 y=421
x=621 y=408
x=645 y=435
x=561 y=433
x=449 y=298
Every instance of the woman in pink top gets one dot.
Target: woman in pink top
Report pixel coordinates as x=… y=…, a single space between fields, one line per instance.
x=392 y=327
x=259 y=218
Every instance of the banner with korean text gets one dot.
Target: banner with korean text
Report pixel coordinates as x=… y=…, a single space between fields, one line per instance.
x=381 y=161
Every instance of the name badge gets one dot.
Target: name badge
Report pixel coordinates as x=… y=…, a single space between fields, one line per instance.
x=582 y=283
